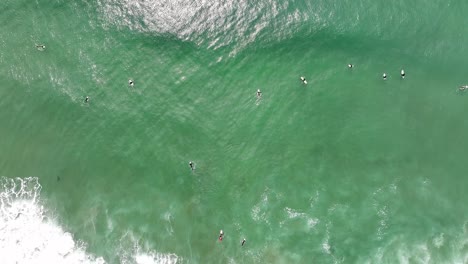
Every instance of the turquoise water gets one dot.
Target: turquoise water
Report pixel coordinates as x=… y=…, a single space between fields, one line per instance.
x=346 y=169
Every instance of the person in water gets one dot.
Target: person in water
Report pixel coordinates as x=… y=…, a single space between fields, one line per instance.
x=259 y=93
x=350 y=66
x=86 y=99
x=192 y=165
x=304 y=81
x=384 y=76
x=40 y=47
x=130 y=82
x=402 y=73
x=243 y=242
x=463 y=87
x=221 y=235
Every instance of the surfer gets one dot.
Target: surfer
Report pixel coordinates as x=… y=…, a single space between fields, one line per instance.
x=259 y=93
x=221 y=235
x=402 y=73
x=243 y=242
x=130 y=82
x=384 y=76
x=350 y=66
x=40 y=47
x=86 y=99
x=192 y=165
x=463 y=87
x=303 y=80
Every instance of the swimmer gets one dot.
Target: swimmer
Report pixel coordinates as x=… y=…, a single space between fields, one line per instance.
x=303 y=80
x=402 y=73
x=40 y=47
x=350 y=66
x=221 y=235
x=86 y=99
x=243 y=242
x=384 y=76
x=130 y=82
x=259 y=93
x=192 y=165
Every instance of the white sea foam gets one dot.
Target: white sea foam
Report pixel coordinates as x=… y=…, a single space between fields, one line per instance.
x=421 y=252
x=131 y=251
x=293 y=213
x=326 y=240
x=310 y=222
x=314 y=199
x=156 y=258
x=260 y=211
x=29 y=235
x=438 y=241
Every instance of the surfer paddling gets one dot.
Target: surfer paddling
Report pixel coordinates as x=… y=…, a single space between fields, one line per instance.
x=130 y=82
x=40 y=47
x=402 y=73
x=243 y=242
x=221 y=235
x=192 y=165
x=350 y=66
x=86 y=99
x=259 y=93
x=463 y=87
x=304 y=81
x=384 y=76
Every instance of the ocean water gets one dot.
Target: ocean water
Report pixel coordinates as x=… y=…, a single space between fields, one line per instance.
x=349 y=168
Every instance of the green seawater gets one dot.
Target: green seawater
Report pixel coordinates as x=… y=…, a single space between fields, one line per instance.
x=346 y=169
